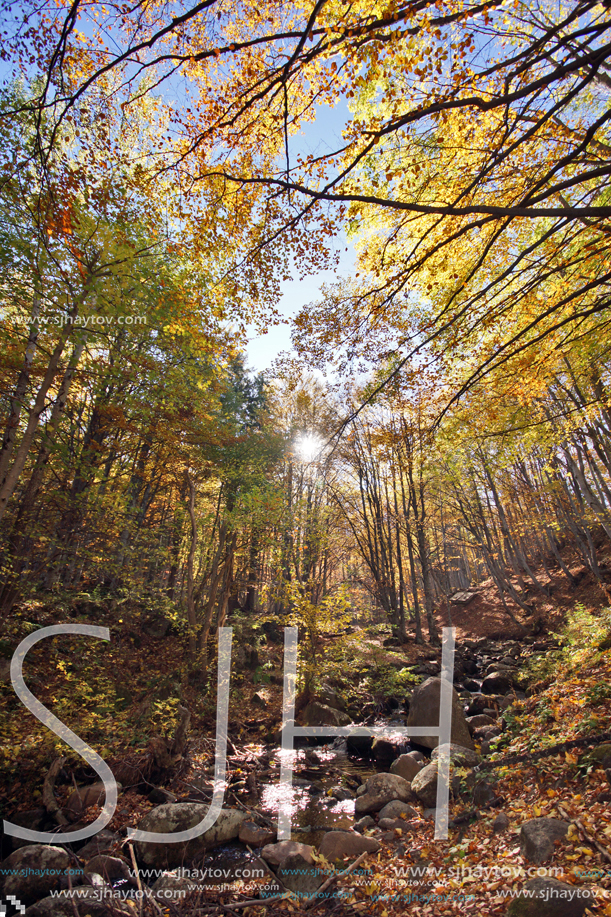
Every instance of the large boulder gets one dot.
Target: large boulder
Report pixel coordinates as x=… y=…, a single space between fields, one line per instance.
x=380 y=789
x=551 y=898
x=179 y=816
x=32 y=872
x=424 y=711
x=406 y=766
x=338 y=845
x=317 y=714
x=424 y=786
x=537 y=837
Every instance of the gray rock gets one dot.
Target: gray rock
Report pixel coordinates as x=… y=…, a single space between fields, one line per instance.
x=418 y=756
x=103 y=841
x=390 y=824
x=94 y=880
x=171 y=886
x=480 y=703
x=500 y=823
x=424 y=711
x=406 y=766
x=180 y=816
x=497 y=683
x=364 y=823
x=83 y=798
x=317 y=714
x=479 y=720
x=424 y=785
x=341 y=793
x=600 y=756
x=34 y=819
x=484 y=794
x=471 y=685
x=300 y=876
x=331 y=698
x=380 y=789
x=32 y=872
x=51 y=907
x=551 y=898
x=256 y=835
x=337 y=845
x=384 y=750
x=459 y=755
x=397 y=809
x=509 y=670
x=486 y=733
x=537 y=837
x=277 y=854
x=108 y=867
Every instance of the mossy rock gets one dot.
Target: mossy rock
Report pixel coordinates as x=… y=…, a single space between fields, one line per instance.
x=600 y=756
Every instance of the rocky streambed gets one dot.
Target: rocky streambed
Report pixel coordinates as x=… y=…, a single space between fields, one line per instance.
x=346 y=798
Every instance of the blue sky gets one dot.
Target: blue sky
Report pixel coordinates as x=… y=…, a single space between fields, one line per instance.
x=323 y=134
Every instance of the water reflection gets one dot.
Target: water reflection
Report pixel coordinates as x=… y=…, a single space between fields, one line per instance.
x=312 y=811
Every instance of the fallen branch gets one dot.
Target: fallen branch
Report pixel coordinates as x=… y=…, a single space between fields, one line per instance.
x=137 y=875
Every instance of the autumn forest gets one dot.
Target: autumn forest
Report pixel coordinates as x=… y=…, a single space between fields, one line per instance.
x=442 y=418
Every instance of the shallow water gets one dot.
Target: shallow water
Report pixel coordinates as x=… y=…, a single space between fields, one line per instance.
x=314 y=814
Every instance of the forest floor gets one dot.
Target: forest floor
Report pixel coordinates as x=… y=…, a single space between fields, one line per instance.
x=119 y=695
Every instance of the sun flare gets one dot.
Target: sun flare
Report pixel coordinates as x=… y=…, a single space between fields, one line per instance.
x=307 y=446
